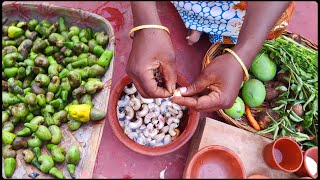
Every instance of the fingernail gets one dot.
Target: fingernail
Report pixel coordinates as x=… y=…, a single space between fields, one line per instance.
x=183 y=89
x=188 y=37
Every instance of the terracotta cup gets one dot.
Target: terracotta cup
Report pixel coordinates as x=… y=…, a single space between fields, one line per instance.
x=283 y=154
x=187 y=127
x=216 y=162
x=304 y=171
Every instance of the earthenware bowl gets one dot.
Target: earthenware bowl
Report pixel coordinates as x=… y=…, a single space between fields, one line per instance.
x=187 y=125
x=304 y=171
x=283 y=154
x=215 y=162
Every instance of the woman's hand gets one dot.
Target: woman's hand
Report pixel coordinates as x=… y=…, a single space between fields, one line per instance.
x=152 y=49
x=223 y=77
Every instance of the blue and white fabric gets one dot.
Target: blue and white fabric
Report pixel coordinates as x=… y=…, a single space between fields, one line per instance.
x=217 y=18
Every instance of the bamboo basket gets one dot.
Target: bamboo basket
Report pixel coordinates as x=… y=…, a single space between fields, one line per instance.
x=216 y=50
x=88 y=136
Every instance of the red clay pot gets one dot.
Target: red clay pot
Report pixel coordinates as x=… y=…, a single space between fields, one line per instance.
x=216 y=162
x=188 y=125
x=283 y=154
x=303 y=171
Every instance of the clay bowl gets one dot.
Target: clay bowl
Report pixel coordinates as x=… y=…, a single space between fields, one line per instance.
x=215 y=162
x=304 y=171
x=187 y=127
x=283 y=154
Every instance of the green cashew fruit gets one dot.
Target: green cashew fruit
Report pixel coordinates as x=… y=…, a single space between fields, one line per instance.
x=43 y=133
x=56 y=134
x=46 y=163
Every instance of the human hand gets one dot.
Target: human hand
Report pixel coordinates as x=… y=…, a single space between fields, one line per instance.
x=152 y=49
x=223 y=77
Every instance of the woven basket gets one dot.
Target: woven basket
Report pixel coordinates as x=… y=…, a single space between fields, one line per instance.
x=216 y=50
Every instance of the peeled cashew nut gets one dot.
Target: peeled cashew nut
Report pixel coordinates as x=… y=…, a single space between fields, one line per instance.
x=138 y=130
x=165 y=129
x=154 y=121
x=140 y=141
x=144 y=111
x=167 y=139
x=127 y=130
x=164 y=106
x=172 y=110
x=176 y=93
x=152 y=142
x=161 y=122
x=135 y=103
x=183 y=107
x=129 y=113
x=136 y=124
x=159 y=137
x=171 y=120
x=126 y=122
x=133 y=135
x=130 y=90
x=176 y=106
x=148 y=117
x=180 y=114
x=143 y=127
x=124 y=102
x=172 y=132
x=150 y=132
x=158 y=101
x=158 y=144
x=120 y=114
x=154 y=108
x=150 y=126
x=167 y=114
x=145 y=100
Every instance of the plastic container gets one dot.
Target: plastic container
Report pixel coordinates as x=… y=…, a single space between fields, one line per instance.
x=304 y=171
x=215 y=162
x=283 y=154
x=187 y=127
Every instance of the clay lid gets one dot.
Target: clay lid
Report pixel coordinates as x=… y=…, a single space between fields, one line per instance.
x=215 y=162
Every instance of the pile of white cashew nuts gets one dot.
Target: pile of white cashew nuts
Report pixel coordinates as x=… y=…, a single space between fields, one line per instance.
x=149 y=122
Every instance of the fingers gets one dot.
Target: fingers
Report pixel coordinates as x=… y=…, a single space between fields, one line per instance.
x=204 y=103
x=196 y=86
x=150 y=88
x=169 y=73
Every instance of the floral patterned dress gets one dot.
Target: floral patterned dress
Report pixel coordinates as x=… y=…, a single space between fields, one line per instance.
x=222 y=20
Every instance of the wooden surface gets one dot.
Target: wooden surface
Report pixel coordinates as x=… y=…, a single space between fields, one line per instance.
x=246 y=145
x=88 y=136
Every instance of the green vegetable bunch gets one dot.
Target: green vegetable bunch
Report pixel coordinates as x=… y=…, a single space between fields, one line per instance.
x=301 y=64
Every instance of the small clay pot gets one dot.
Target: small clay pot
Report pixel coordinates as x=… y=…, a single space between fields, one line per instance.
x=283 y=154
x=188 y=124
x=215 y=162
x=303 y=171
x=258 y=176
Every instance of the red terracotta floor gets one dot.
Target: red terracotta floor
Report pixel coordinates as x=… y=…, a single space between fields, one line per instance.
x=115 y=160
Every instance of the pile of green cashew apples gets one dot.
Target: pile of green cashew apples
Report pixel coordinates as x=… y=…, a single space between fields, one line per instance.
x=46 y=68
x=253 y=91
